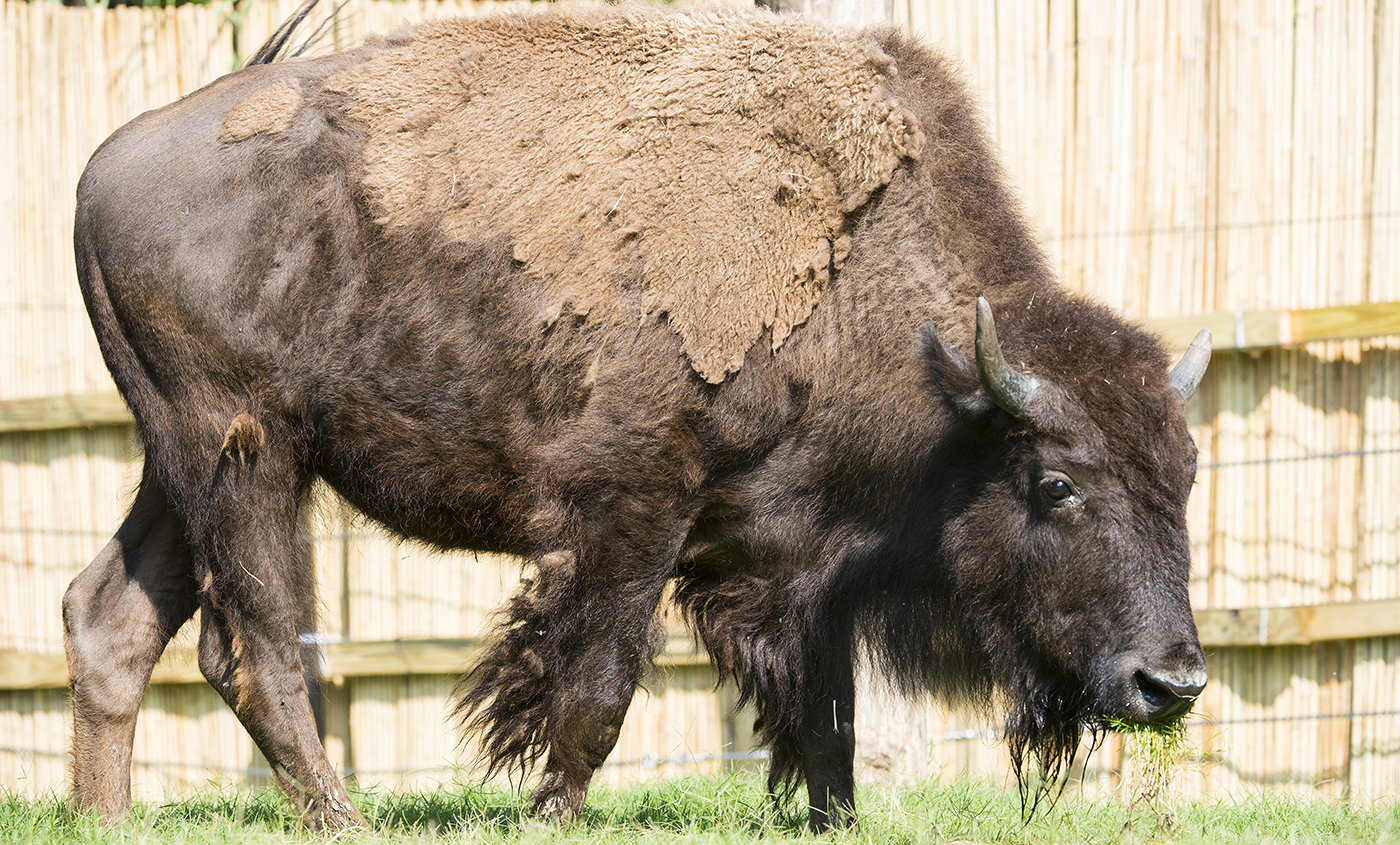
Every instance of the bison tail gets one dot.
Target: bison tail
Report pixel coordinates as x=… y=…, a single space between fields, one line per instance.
x=276 y=48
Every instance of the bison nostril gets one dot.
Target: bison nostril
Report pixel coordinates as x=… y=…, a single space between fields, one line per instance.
x=1167 y=696
x=1157 y=696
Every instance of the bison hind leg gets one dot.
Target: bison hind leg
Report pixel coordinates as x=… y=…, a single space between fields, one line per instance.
x=142 y=585
x=256 y=588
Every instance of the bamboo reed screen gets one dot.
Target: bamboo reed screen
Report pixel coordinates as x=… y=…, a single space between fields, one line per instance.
x=1177 y=159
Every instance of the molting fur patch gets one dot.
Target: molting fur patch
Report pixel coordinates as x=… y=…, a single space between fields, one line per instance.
x=587 y=137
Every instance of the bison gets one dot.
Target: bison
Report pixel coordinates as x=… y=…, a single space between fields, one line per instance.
x=733 y=311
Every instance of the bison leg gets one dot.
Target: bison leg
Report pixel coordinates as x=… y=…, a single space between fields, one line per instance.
x=588 y=710
x=560 y=680
x=828 y=747
x=807 y=721
x=260 y=677
x=798 y=668
x=256 y=600
x=118 y=616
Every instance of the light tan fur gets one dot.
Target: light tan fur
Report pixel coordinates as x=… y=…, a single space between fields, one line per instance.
x=269 y=110
x=243 y=440
x=718 y=153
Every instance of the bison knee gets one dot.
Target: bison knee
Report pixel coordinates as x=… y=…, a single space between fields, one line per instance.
x=95 y=603
x=76 y=601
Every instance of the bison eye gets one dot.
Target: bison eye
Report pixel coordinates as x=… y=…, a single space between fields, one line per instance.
x=1057 y=488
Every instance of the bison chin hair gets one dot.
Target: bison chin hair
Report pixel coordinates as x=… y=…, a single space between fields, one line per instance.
x=923 y=649
x=1043 y=731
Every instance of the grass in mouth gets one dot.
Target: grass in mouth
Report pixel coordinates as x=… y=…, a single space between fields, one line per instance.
x=1156 y=752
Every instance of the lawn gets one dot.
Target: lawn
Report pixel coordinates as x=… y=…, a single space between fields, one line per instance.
x=726 y=810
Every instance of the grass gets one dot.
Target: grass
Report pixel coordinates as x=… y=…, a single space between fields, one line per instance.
x=717 y=811
x=1157 y=750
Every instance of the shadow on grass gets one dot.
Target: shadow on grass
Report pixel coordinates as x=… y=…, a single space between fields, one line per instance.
x=268 y=810
x=720 y=811
x=683 y=806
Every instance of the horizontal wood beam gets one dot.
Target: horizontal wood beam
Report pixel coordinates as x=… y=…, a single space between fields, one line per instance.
x=338 y=660
x=1273 y=626
x=20 y=670
x=1269 y=626
x=81 y=410
x=1230 y=330
x=1239 y=330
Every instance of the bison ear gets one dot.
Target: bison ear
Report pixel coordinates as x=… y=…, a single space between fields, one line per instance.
x=954 y=376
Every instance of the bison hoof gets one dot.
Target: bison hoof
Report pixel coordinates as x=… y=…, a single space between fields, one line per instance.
x=555 y=809
x=555 y=801
x=329 y=815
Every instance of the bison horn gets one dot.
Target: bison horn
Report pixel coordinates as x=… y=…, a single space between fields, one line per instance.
x=1011 y=390
x=1187 y=373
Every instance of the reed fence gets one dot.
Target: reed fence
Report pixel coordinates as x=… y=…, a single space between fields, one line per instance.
x=1224 y=163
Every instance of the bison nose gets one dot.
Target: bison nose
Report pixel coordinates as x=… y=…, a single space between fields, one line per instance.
x=1168 y=694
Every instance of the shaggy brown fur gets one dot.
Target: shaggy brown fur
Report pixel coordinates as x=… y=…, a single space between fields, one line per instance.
x=533 y=360
x=586 y=138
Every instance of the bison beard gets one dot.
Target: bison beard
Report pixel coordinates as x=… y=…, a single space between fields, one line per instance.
x=715 y=327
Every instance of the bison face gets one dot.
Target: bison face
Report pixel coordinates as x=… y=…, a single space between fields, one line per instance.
x=1066 y=546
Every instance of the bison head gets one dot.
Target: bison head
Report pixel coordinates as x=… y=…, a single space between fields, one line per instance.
x=1065 y=544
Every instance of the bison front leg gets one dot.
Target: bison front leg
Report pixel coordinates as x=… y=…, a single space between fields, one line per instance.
x=807 y=719
x=587 y=719
x=828 y=747
x=598 y=668
x=118 y=616
x=559 y=681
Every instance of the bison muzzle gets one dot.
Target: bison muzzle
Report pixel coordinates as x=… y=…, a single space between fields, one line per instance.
x=731 y=308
